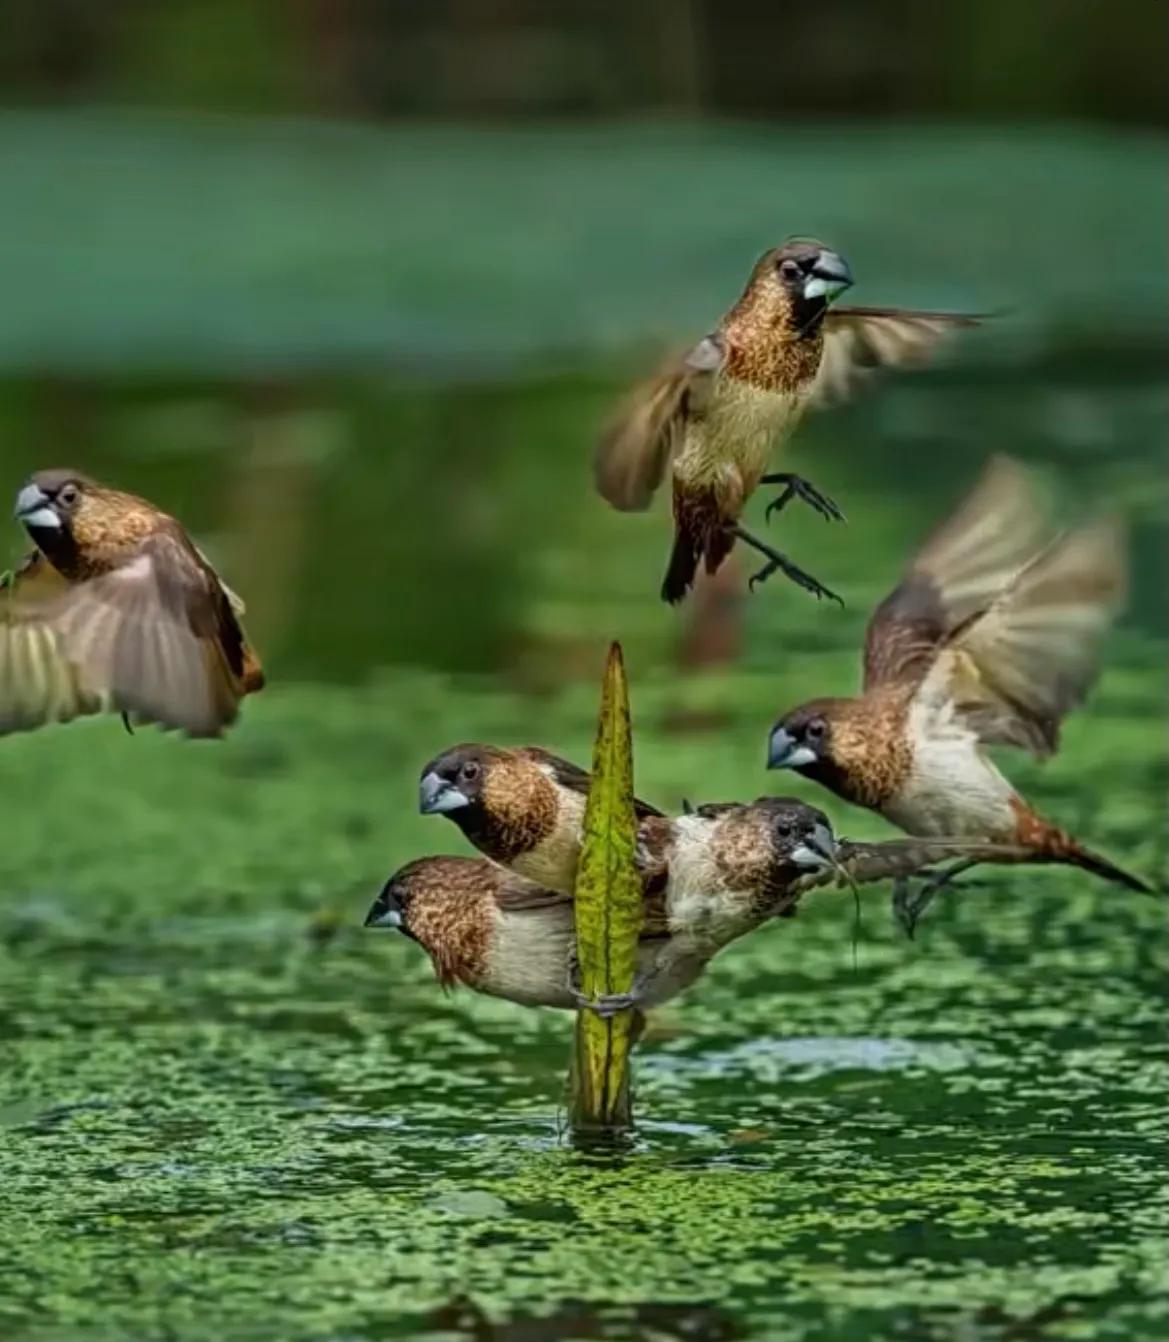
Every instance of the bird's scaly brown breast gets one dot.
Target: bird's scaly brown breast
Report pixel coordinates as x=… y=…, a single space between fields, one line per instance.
x=454 y=926
x=872 y=750
x=772 y=360
x=520 y=810
x=106 y=530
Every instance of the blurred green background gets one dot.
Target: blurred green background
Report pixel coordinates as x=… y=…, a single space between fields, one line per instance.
x=349 y=286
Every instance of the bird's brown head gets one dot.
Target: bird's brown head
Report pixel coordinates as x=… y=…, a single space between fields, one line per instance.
x=825 y=740
x=446 y=905
x=800 y=835
x=762 y=847
x=50 y=502
x=794 y=836
x=791 y=286
x=391 y=909
x=502 y=800
x=72 y=518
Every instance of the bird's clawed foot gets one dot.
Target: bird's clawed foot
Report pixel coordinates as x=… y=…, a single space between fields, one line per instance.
x=780 y=563
x=610 y=1004
x=796 y=487
x=909 y=904
x=607 y=1005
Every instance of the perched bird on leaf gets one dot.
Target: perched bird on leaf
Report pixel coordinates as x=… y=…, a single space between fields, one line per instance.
x=714 y=417
x=991 y=637
x=522 y=807
x=116 y=610
x=708 y=878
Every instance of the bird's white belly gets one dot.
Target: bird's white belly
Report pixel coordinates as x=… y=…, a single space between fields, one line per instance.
x=529 y=962
x=552 y=862
x=953 y=791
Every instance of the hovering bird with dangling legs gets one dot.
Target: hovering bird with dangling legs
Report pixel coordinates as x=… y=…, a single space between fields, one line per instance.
x=713 y=418
x=990 y=638
x=117 y=610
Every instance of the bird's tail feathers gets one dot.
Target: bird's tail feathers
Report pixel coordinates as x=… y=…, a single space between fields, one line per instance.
x=681 y=569
x=1085 y=858
x=1059 y=846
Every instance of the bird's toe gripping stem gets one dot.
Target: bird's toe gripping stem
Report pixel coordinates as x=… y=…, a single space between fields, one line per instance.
x=605 y=1006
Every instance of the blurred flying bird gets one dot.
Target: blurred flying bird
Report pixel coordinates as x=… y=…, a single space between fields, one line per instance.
x=116 y=610
x=708 y=878
x=715 y=415
x=991 y=637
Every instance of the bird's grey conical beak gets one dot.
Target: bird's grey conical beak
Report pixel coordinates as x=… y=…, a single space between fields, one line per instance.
x=785 y=752
x=830 y=276
x=437 y=795
x=822 y=840
x=32 y=508
x=385 y=911
x=817 y=850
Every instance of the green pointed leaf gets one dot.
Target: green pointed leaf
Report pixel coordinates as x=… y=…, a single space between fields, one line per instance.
x=608 y=913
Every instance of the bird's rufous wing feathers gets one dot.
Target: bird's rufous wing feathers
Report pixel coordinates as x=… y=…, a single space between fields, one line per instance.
x=634 y=451
x=859 y=340
x=1012 y=673
x=970 y=559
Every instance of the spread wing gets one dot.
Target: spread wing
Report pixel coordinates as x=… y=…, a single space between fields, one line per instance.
x=865 y=863
x=1014 y=671
x=576 y=779
x=37 y=684
x=960 y=570
x=633 y=453
x=155 y=638
x=859 y=340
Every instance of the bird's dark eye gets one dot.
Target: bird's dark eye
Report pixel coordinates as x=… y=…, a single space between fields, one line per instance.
x=815 y=731
x=783 y=829
x=790 y=270
x=68 y=495
x=469 y=772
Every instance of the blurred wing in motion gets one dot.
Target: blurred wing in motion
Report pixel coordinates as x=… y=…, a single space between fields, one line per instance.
x=1014 y=672
x=155 y=638
x=960 y=570
x=859 y=340
x=632 y=455
x=38 y=684
x=865 y=863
